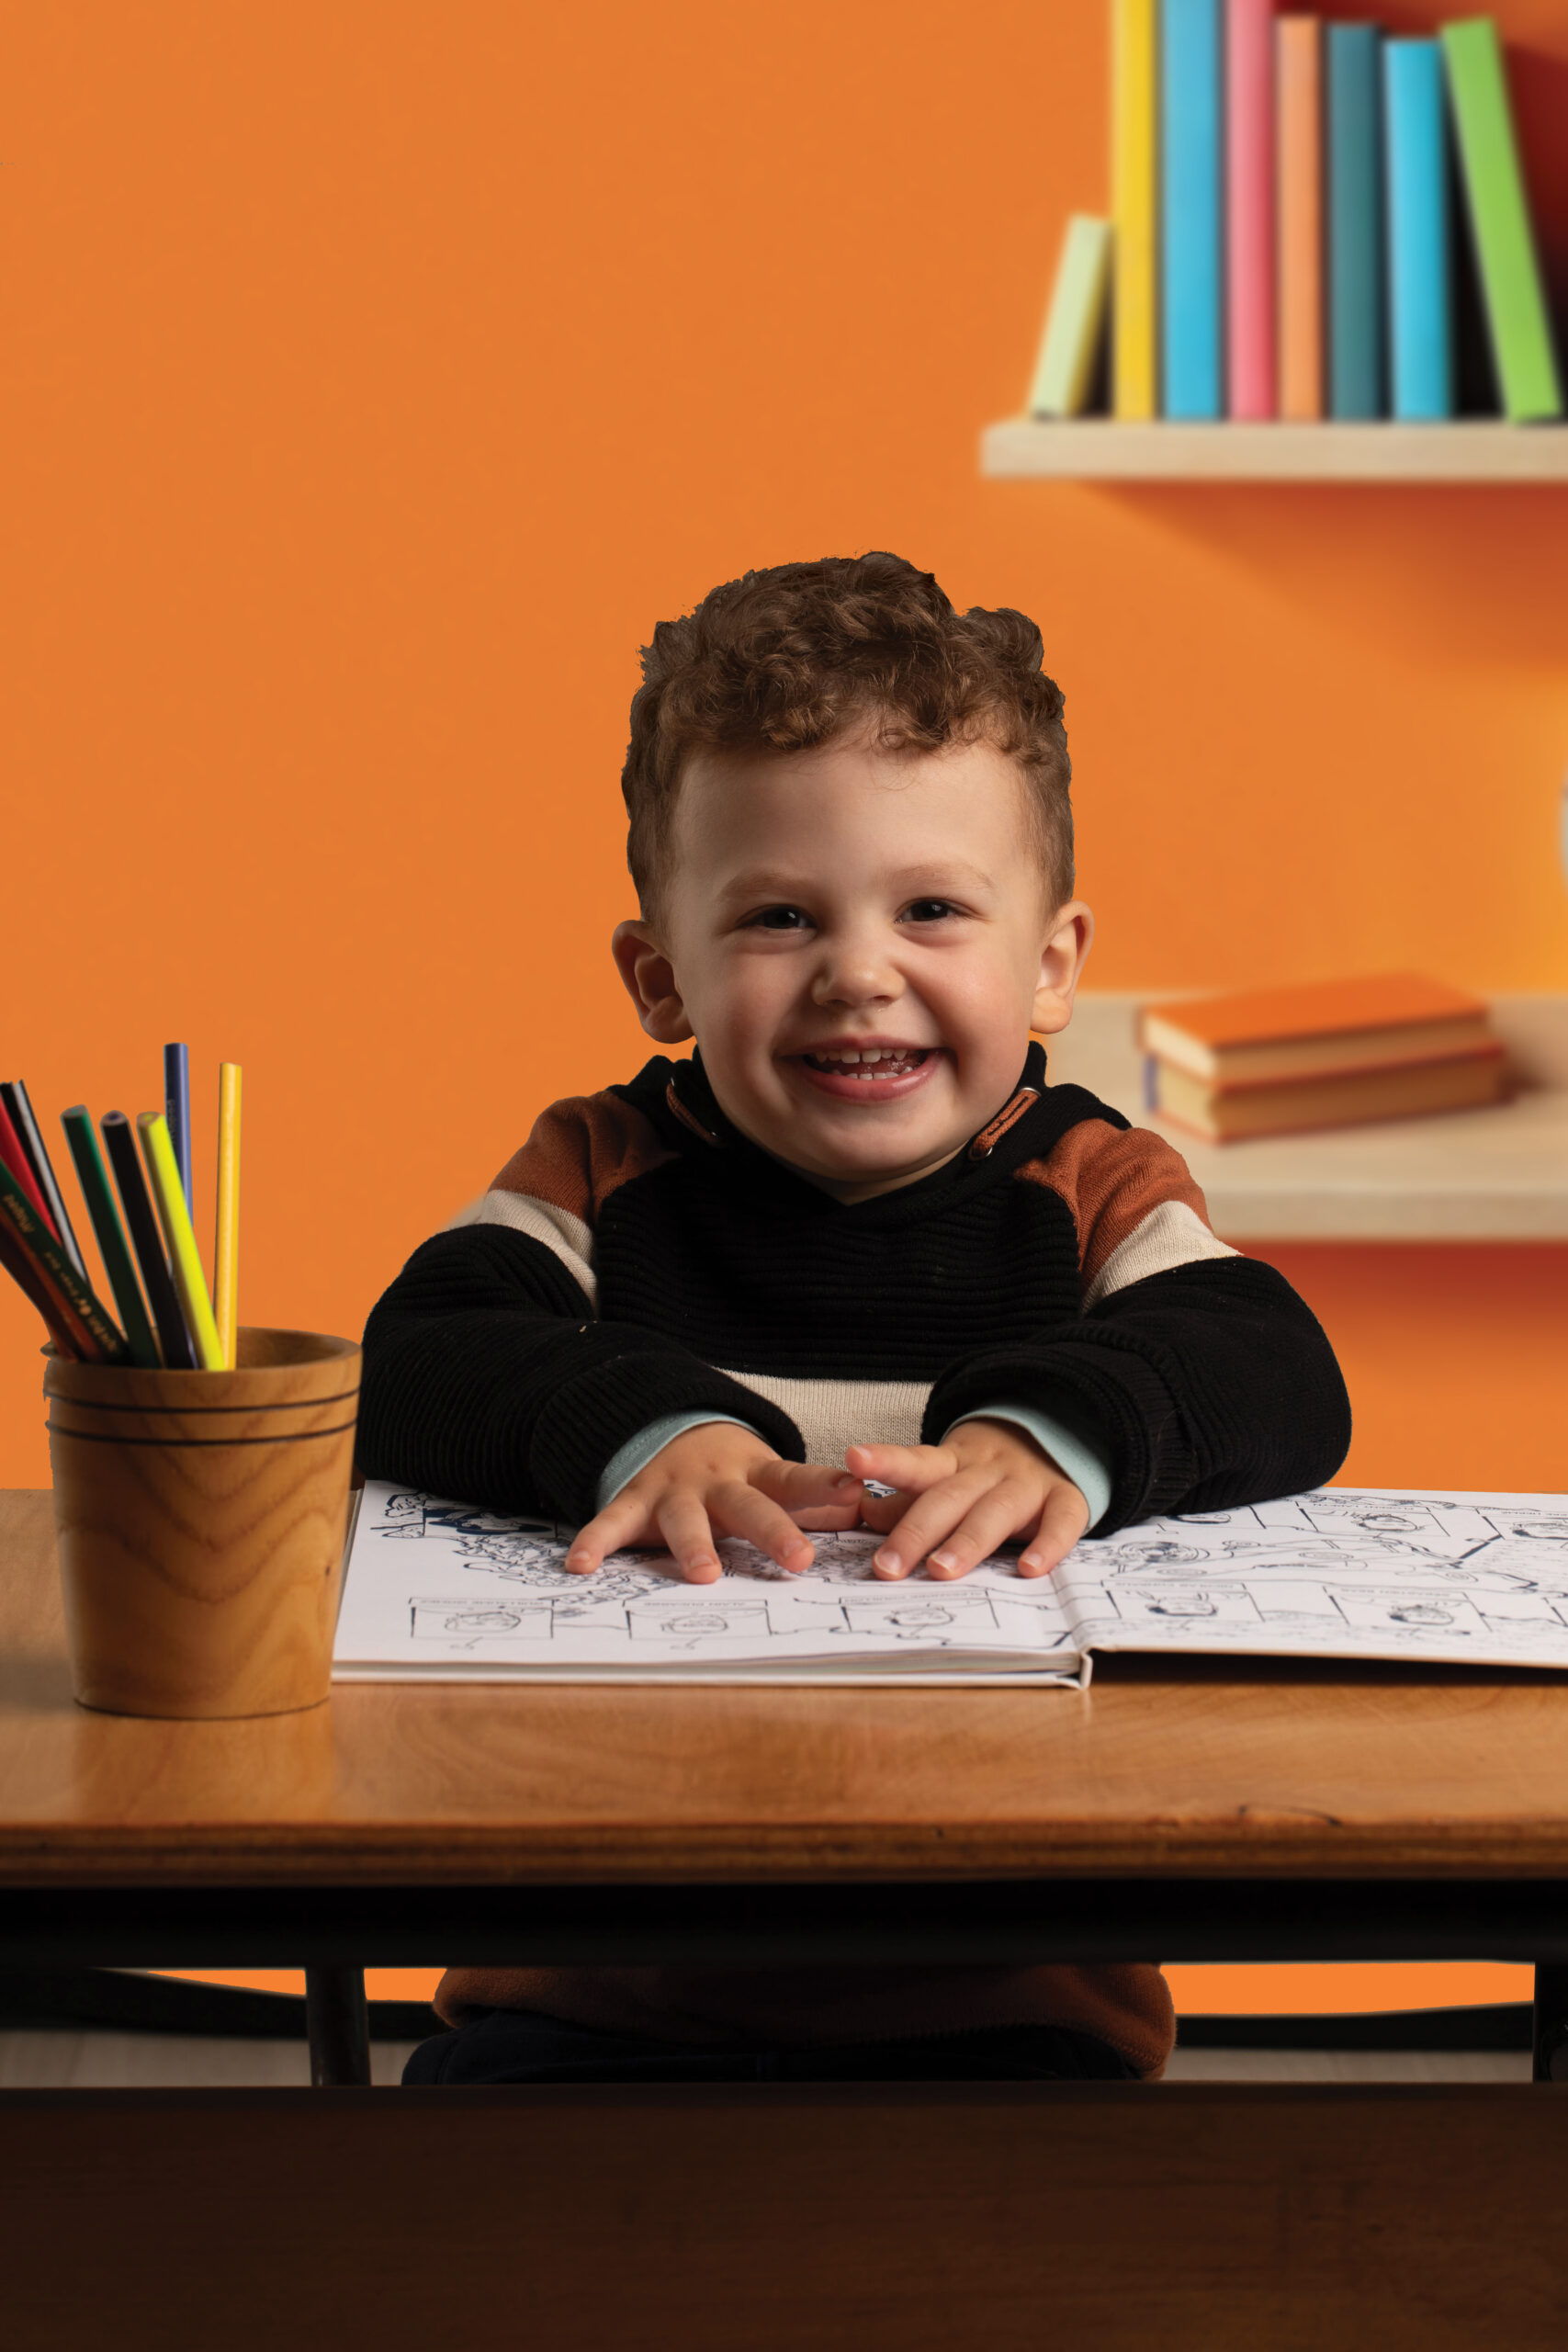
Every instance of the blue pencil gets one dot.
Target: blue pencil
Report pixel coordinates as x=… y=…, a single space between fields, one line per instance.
x=176 y=1110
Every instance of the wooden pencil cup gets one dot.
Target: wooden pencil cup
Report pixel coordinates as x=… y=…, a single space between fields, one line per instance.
x=200 y=1518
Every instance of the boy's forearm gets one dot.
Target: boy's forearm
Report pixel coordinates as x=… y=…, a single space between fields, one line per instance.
x=1213 y=1385
x=487 y=1377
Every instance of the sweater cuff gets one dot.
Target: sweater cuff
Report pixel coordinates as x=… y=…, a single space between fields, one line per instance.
x=638 y=1451
x=1083 y=1458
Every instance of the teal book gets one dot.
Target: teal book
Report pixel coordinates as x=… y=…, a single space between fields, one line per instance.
x=1353 y=110
x=1075 y=323
x=1191 y=135
x=1419 y=310
x=1518 y=323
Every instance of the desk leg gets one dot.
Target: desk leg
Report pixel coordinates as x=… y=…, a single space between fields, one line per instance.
x=338 y=2024
x=1551 y=2024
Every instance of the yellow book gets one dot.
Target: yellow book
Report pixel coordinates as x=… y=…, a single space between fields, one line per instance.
x=185 y=1264
x=1133 y=156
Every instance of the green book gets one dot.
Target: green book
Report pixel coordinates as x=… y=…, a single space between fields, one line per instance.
x=1075 y=323
x=1500 y=221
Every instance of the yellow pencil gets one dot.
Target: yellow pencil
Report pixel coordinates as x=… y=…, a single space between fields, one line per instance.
x=168 y=1192
x=226 y=1249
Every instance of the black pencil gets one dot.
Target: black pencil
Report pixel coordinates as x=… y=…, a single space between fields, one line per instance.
x=14 y=1095
x=173 y=1337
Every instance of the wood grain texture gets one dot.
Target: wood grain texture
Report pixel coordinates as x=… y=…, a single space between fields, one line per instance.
x=1247 y=1766
x=200 y=1519
x=1018 y=2217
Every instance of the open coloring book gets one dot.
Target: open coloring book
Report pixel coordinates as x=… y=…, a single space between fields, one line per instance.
x=442 y=1592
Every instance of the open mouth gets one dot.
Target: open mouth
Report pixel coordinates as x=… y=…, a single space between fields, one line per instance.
x=875 y=1067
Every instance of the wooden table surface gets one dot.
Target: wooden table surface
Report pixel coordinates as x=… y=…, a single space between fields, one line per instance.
x=1197 y=1769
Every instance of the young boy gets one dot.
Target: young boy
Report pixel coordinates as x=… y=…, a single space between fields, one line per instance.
x=855 y=1237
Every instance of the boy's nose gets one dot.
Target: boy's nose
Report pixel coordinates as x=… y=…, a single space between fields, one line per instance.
x=854 y=975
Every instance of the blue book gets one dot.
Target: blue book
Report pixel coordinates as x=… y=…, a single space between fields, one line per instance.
x=1192 y=131
x=1353 y=109
x=1420 y=322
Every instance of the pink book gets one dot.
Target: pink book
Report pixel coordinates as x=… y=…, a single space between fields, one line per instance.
x=1249 y=208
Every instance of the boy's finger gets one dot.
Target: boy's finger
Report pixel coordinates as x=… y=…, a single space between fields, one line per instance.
x=807 y=1486
x=683 y=1524
x=622 y=1520
x=999 y=1513
x=933 y=1515
x=914 y=1467
x=742 y=1511
x=1062 y=1521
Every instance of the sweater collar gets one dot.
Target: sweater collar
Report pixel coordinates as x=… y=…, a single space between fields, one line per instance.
x=693 y=1113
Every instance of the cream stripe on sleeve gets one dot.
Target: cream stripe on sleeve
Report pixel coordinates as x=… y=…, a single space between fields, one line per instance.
x=559 y=1229
x=1172 y=1235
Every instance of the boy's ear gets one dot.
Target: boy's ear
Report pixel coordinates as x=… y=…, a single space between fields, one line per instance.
x=1061 y=963
x=649 y=978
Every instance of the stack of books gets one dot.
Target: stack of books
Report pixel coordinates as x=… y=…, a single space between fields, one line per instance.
x=1274 y=1061
x=1282 y=241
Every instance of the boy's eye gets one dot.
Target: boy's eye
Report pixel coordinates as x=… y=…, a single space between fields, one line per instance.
x=778 y=918
x=930 y=909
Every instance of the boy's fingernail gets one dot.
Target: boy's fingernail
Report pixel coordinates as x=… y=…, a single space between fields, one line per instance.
x=885 y=1559
x=944 y=1559
x=846 y=1481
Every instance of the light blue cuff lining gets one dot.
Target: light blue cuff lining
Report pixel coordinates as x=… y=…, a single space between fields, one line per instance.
x=1084 y=1464
x=639 y=1450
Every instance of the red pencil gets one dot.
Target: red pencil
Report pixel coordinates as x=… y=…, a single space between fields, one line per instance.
x=16 y=1159
x=23 y=1269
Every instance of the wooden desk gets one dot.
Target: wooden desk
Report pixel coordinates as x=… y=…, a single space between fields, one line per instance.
x=1233 y=1811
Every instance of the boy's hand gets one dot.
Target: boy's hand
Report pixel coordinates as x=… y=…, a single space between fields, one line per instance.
x=719 y=1479
x=987 y=1484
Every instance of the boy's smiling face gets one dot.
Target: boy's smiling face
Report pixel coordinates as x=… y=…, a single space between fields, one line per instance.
x=861 y=941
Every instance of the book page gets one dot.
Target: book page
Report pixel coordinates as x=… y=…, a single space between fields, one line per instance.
x=444 y=1591
x=1343 y=1572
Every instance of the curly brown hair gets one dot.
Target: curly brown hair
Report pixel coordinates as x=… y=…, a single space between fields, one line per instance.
x=787 y=658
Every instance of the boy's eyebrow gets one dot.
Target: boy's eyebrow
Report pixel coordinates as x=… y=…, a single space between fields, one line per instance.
x=773 y=882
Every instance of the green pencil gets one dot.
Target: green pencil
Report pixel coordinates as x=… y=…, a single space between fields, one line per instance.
x=94 y=1179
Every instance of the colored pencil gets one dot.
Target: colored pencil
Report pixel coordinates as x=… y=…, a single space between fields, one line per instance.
x=96 y=1337
x=117 y=1261
x=185 y=1264
x=15 y=1159
x=226 y=1249
x=177 y=1110
x=14 y=1097
x=173 y=1337
x=23 y=1271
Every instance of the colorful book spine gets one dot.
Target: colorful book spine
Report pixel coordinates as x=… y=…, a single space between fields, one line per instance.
x=1516 y=316
x=1249 y=208
x=1298 y=58
x=1353 y=110
x=1419 y=312
x=1135 y=98
x=1075 y=321
x=1190 y=179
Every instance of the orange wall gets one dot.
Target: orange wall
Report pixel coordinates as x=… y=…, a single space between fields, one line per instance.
x=375 y=376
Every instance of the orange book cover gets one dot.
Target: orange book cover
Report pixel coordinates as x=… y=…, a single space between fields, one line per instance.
x=1299 y=214
x=1317 y=1009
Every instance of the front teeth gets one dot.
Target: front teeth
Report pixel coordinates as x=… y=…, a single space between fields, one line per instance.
x=886 y=1061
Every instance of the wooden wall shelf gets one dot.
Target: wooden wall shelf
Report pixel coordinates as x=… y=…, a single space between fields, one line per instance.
x=1101 y=450
x=1499 y=1174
